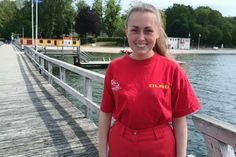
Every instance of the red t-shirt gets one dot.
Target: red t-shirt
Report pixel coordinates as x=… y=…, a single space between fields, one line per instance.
x=145 y=93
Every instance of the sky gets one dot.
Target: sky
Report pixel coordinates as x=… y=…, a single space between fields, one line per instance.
x=225 y=7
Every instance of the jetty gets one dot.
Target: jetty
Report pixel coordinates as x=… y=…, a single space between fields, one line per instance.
x=81 y=58
x=37 y=120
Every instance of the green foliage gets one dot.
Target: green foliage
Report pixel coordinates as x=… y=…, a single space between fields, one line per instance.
x=59 y=17
x=201 y=15
x=120 y=41
x=97 y=6
x=112 y=17
x=215 y=35
x=210 y=24
x=88 y=40
x=8 y=13
x=179 y=20
x=81 y=4
x=55 y=17
x=234 y=37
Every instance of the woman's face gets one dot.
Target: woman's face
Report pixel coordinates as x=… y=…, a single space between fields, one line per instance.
x=142 y=32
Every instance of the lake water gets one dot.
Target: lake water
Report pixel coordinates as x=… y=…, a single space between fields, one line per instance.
x=213 y=78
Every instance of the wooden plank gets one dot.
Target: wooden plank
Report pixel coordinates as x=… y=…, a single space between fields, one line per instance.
x=222 y=131
x=37 y=120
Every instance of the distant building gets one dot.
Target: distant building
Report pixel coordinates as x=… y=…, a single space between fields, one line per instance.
x=178 y=43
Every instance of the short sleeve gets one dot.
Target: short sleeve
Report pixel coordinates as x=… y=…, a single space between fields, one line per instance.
x=183 y=98
x=107 y=103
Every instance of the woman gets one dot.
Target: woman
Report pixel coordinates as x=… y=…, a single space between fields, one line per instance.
x=146 y=93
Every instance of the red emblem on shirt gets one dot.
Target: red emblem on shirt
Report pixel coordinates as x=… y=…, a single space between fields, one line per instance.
x=115 y=86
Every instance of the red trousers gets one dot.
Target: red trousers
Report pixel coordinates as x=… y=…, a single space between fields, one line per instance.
x=152 y=142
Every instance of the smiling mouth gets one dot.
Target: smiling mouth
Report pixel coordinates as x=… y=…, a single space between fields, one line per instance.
x=140 y=45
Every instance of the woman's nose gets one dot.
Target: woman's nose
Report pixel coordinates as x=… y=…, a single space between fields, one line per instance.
x=141 y=36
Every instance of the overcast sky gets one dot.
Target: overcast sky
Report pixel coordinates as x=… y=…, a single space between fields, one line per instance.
x=225 y=7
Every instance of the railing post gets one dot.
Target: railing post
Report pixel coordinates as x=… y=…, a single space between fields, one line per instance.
x=43 y=65
x=220 y=137
x=217 y=148
x=38 y=61
x=62 y=74
x=50 y=71
x=88 y=94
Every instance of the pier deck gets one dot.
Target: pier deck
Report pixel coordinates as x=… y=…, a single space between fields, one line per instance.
x=35 y=119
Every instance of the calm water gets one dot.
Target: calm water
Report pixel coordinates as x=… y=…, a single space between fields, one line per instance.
x=212 y=76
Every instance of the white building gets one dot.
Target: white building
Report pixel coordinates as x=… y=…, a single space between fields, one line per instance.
x=178 y=43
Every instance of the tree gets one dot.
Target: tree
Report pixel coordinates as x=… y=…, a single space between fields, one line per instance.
x=179 y=20
x=215 y=35
x=202 y=31
x=97 y=7
x=81 y=4
x=234 y=36
x=227 y=30
x=23 y=19
x=201 y=15
x=55 y=17
x=215 y=18
x=8 y=12
x=87 y=21
x=111 y=18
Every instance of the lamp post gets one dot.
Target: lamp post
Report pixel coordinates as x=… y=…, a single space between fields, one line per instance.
x=71 y=31
x=189 y=36
x=32 y=10
x=23 y=32
x=199 y=38
x=36 y=33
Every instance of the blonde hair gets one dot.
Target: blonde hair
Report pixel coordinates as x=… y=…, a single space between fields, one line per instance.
x=161 y=43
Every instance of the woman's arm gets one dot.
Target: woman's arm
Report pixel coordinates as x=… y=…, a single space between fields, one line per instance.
x=181 y=136
x=104 y=126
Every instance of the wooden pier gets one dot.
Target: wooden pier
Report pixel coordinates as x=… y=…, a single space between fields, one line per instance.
x=35 y=119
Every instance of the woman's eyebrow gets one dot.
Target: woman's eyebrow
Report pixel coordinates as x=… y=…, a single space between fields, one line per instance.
x=135 y=26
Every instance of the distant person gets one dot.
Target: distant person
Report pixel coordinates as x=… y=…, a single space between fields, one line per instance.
x=147 y=94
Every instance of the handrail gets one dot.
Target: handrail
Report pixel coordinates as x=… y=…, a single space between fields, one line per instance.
x=86 y=98
x=219 y=136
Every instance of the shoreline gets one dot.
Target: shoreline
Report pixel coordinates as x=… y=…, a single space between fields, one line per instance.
x=172 y=51
x=117 y=50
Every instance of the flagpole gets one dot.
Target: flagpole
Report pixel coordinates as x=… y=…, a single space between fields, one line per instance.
x=36 y=34
x=32 y=10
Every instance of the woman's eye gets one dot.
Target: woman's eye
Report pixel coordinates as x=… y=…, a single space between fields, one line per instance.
x=149 y=31
x=134 y=30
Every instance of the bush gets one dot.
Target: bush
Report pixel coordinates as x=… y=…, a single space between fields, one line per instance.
x=119 y=40
x=88 y=40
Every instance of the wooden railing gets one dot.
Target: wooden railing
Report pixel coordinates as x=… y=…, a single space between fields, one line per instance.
x=40 y=61
x=220 y=137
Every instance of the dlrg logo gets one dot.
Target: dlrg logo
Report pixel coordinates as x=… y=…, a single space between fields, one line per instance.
x=160 y=86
